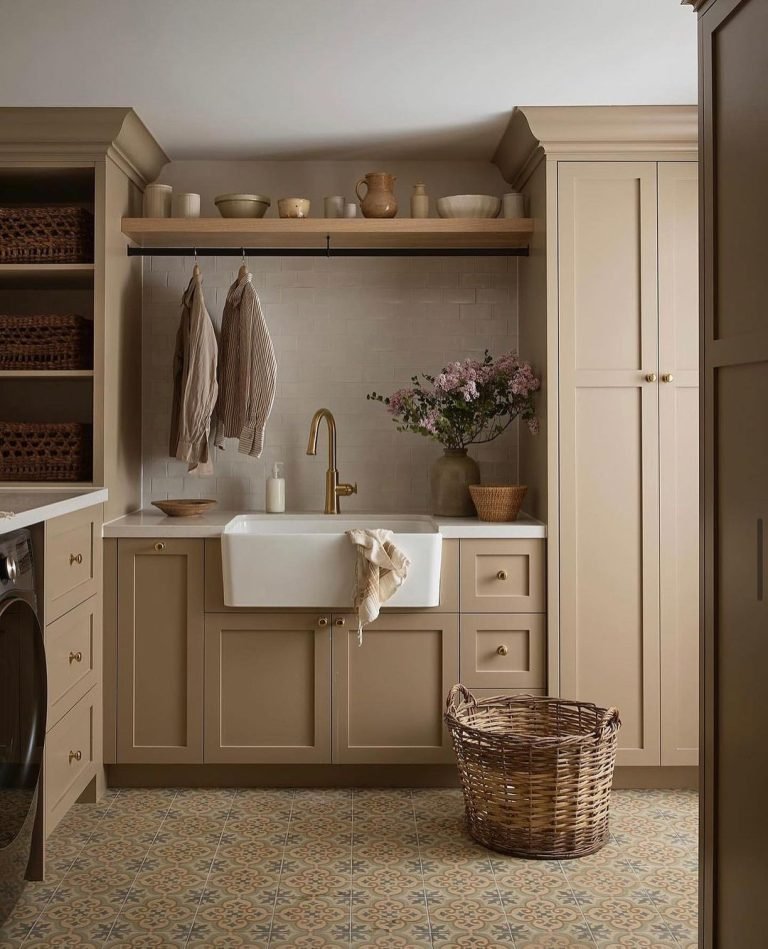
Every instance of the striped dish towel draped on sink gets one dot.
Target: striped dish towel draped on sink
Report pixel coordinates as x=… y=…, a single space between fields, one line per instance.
x=247 y=369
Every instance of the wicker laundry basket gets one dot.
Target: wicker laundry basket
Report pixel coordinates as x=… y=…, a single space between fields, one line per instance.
x=45 y=451
x=45 y=341
x=46 y=235
x=536 y=772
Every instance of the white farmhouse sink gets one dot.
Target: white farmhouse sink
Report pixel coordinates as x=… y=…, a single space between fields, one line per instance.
x=305 y=560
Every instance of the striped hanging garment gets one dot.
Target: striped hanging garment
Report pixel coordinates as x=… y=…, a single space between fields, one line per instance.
x=247 y=370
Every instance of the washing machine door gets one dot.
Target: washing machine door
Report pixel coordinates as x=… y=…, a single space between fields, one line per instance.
x=23 y=703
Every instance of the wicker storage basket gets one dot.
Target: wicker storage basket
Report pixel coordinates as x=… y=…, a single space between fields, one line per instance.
x=498 y=502
x=45 y=451
x=536 y=772
x=45 y=341
x=46 y=235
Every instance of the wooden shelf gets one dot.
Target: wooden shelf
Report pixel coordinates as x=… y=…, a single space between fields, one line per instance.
x=44 y=276
x=395 y=233
x=46 y=373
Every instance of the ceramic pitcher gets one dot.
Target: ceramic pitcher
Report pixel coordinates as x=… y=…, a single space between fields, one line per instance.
x=379 y=199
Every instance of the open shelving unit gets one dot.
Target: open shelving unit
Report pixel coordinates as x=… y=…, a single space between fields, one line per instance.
x=333 y=236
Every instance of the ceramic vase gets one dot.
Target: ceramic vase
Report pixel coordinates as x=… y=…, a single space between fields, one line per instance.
x=449 y=479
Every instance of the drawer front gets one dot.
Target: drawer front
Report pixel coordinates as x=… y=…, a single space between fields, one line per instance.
x=502 y=576
x=69 y=758
x=72 y=560
x=73 y=656
x=503 y=651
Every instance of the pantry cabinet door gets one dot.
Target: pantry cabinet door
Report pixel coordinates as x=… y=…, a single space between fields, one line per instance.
x=609 y=457
x=267 y=688
x=160 y=651
x=679 y=460
x=389 y=694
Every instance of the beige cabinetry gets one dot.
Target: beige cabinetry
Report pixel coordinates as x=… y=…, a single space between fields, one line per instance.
x=160 y=651
x=72 y=615
x=609 y=300
x=267 y=687
x=504 y=576
x=388 y=695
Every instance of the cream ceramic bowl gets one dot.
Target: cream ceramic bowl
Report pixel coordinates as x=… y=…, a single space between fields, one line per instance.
x=293 y=207
x=242 y=205
x=468 y=205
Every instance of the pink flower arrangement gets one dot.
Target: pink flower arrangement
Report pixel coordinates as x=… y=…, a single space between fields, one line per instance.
x=468 y=403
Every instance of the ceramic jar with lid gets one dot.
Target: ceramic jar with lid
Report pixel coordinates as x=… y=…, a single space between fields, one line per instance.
x=419 y=201
x=157 y=200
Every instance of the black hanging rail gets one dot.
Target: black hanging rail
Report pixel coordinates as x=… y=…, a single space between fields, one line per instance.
x=328 y=251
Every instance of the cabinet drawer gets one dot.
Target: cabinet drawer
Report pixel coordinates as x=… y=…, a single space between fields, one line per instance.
x=69 y=757
x=503 y=651
x=72 y=560
x=73 y=656
x=502 y=576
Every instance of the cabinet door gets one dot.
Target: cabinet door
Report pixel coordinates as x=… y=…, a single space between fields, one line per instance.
x=679 y=460
x=160 y=651
x=267 y=687
x=389 y=694
x=609 y=459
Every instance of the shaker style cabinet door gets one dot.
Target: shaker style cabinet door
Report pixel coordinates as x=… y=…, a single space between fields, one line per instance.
x=268 y=688
x=679 y=460
x=389 y=694
x=160 y=651
x=609 y=456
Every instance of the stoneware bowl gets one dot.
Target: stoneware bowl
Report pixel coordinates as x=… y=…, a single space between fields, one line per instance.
x=242 y=205
x=293 y=207
x=184 y=507
x=468 y=205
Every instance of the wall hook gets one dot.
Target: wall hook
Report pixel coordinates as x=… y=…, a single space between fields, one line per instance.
x=328 y=246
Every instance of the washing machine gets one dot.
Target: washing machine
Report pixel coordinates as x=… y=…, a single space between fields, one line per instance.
x=23 y=705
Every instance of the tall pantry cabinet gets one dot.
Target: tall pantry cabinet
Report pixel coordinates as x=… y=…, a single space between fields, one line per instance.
x=609 y=310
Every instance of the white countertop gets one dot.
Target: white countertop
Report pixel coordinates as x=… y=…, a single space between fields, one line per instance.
x=151 y=523
x=33 y=505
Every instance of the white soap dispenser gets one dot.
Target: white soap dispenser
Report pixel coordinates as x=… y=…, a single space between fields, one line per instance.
x=276 y=490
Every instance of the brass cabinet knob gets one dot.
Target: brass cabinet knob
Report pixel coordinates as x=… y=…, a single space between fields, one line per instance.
x=159 y=546
x=75 y=558
x=75 y=756
x=667 y=377
x=650 y=377
x=75 y=657
x=323 y=621
x=502 y=575
x=502 y=650
x=340 y=621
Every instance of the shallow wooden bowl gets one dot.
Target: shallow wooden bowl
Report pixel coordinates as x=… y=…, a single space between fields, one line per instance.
x=184 y=507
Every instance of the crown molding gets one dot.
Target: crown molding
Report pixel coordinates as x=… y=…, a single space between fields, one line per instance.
x=87 y=134
x=559 y=132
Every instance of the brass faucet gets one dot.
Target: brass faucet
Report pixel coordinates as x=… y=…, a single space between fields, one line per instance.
x=333 y=489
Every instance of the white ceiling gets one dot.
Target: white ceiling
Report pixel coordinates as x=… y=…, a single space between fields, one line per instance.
x=342 y=78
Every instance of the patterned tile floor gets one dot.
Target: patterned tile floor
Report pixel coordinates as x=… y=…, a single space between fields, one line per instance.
x=384 y=868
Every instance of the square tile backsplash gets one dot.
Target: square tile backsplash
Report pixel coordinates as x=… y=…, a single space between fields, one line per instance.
x=341 y=328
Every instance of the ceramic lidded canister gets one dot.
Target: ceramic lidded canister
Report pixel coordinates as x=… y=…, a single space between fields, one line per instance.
x=379 y=199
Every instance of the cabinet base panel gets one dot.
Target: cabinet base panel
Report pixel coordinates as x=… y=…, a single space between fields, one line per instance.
x=350 y=775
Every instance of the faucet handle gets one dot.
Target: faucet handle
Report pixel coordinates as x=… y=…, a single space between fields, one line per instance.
x=344 y=490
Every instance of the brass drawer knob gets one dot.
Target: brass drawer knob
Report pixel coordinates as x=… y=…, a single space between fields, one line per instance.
x=650 y=377
x=667 y=377
x=502 y=575
x=75 y=756
x=75 y=657
x=75 y=558
x=159 y=546
x=340 y=621
x=502 y=650
x=323 y=621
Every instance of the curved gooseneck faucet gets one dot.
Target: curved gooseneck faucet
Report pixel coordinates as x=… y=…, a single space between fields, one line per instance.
x=333 y=488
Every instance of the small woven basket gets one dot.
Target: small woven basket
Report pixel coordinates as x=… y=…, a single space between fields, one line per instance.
x=536 y=772
x=46 y=235
x=45 y=451
x=45 y=341
x=498 y=502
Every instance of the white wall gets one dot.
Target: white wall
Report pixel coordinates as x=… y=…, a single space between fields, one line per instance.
x=341 y=328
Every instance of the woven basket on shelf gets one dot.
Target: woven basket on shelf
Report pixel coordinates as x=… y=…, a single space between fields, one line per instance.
x=536 y=772
x=498 y=502
x=45 y=341
x=46 y=235
x=45 y=451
